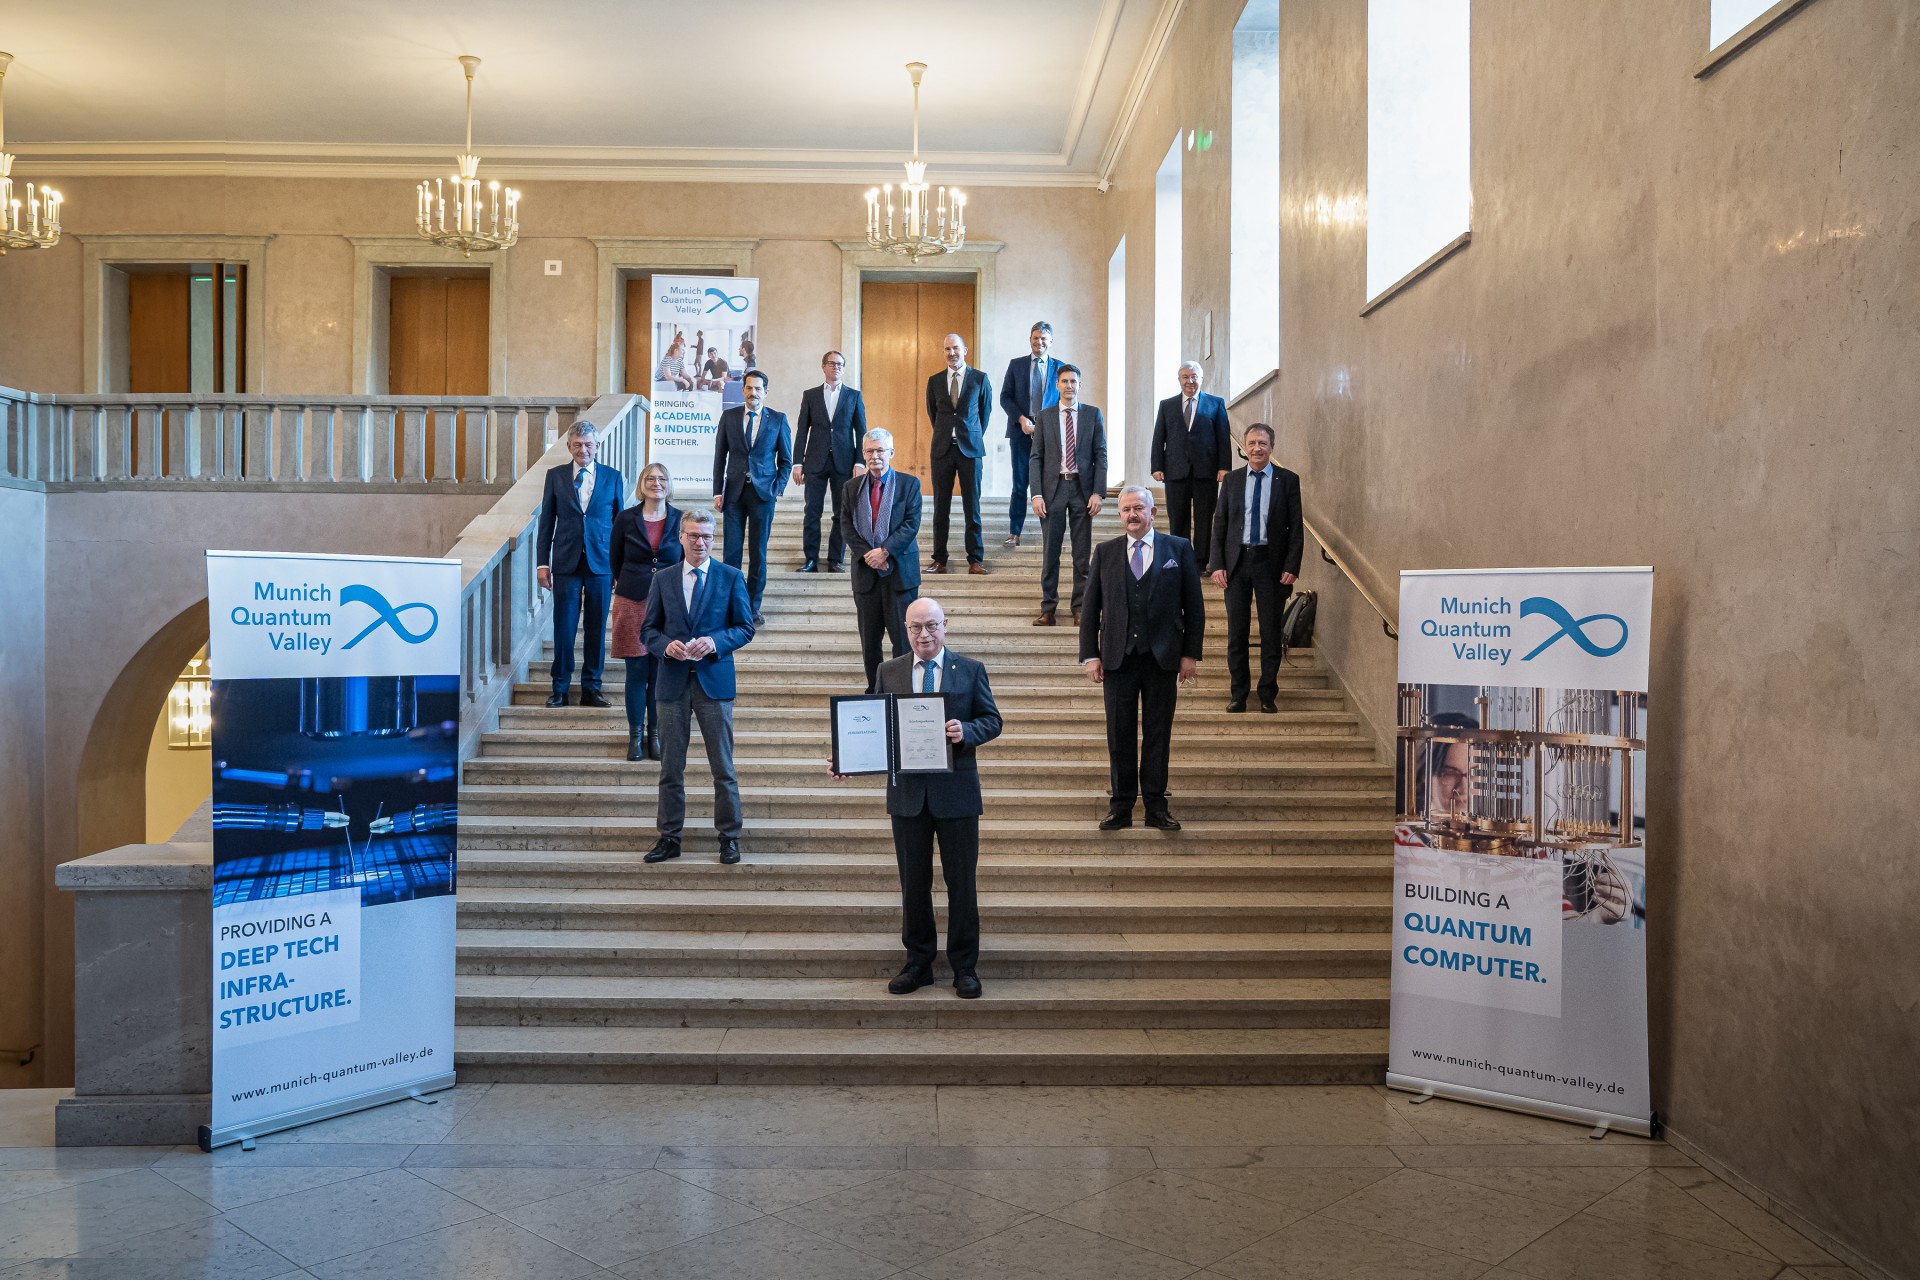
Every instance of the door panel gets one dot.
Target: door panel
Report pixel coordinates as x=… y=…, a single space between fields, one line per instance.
x=903 y=330
x=159 y=347
x=437 y=335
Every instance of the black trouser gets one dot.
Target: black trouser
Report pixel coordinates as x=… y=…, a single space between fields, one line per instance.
x=576 y=595
x=959 y=854
x=1255 y=587
x=818 y=485
x=947 y=467
x=749 y=520
x=1190 y=507
x=1069 y=512
x=1140 y=696
x=881 y=611
x=640 y=693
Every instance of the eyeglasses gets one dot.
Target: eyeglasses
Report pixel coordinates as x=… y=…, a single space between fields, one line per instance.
x=925 y=628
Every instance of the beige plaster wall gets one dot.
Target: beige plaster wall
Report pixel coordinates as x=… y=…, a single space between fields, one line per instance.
x=1684 y=335
x=23 y=723
x=179 y=780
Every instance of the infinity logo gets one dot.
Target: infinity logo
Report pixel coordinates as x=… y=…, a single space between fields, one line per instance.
x=389 y=615
x=722 y=298
x=1570 y=627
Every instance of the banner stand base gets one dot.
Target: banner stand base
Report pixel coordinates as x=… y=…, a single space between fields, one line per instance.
x=1600 y=1120
x=244 y=1134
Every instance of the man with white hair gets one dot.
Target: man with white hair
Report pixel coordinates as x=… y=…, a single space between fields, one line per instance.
x=1192 y=452
x=575 y=560
x=880 y=522
x=1141 y=630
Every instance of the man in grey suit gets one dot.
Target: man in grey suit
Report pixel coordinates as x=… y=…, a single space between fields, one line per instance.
x=1069 y=477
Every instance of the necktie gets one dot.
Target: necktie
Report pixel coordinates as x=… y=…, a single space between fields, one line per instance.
x=953 y=389
x=753 y=421
x=1072 y=460
x=1139 y=560
x=874 y=488
x=699 y=593
x=1188 y=412
x=926 y=675
x=1037 y=396
x=579 y=487
x=1256 y=527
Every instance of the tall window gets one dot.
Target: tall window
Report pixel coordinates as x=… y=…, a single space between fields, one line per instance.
x=1253 y=289
x=1728 y=16
x=1167 y=301
x=1419 y=140
x=1117 y=364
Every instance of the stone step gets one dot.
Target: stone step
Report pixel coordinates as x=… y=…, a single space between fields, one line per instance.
x=1020 y=708
x=670 y=907
x=823 y=800
x=847 y=1056
x=765 y=953
x=1299 y=737
x=1053 y=1003
x=878 y=873
x=768 y=837
x=998 y=772
x=758 y=670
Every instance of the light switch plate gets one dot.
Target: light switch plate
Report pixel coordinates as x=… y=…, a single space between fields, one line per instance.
x=553 y=266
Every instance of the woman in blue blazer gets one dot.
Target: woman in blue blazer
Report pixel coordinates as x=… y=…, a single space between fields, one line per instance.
x=646 y=538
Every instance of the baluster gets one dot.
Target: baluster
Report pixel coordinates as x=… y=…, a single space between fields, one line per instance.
x=326 y=441
x=290 y=451
x=382 y=439
x=184 y=458
x=256 y=445
x=413 y=450
x=475 y=431
x=446 y=442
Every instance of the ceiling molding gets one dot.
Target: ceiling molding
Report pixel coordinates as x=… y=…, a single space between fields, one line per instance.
x=1143 y=73
x=1091 y=73
x=576 y=173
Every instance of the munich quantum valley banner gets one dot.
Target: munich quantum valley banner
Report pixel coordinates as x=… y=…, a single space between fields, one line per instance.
x=336 y=743
x=1520 y=855
x=704 y=331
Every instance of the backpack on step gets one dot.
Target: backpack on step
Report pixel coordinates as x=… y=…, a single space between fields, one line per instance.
x=1296 y=622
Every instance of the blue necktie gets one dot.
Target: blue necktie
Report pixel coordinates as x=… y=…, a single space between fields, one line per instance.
x=699 y=594
x=752 y=417
x=579 y=479
x=1254 y=522
x=926 y=676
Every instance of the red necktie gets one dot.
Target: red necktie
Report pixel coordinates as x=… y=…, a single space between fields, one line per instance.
x=873 y=497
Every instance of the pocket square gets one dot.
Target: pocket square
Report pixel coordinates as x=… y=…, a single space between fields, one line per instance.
x=1169 y=564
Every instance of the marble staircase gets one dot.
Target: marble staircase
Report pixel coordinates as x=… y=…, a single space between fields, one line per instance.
x=1250 y=947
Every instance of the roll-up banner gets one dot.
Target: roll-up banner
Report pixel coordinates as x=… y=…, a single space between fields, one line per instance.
x=704 y=334
x=336 y=742
x=1520 y=856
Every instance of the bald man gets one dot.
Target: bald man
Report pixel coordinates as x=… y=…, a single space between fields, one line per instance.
x=943 y=805
x=959 y=402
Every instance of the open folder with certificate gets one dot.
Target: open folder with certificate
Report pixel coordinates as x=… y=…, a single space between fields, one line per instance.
x=891 y=733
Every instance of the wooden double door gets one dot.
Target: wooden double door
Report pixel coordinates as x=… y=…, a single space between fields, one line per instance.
x=437 y=345
x=903 y=330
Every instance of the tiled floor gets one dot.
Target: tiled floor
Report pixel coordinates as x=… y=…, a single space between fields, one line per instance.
x=687 y=1183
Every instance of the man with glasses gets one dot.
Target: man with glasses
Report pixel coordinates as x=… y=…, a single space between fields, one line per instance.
x=881 y=524
x=1256 y=556
x=826 y=454
x=576 y=560
x=697 y=615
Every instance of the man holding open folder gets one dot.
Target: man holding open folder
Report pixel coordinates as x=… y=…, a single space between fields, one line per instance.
x=946 y=805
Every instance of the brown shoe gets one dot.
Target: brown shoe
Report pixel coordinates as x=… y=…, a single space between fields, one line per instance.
x=938 y=566
x=976 y=567
x=1076 y=617
x=1045 y=619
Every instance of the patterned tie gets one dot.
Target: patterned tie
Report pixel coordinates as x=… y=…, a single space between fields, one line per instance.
x=1139 y=560
x=579 y=489
x=1071 y=462
x=1188 y=412
x=953 y=389
x=927 y=668
x=1256 y=527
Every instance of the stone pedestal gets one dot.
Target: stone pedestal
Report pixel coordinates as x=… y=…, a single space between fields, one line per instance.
x=142 y=996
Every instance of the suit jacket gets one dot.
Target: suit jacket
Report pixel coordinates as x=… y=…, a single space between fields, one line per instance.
x=1176 y=621
x=1016 y=393
x=573 y=541
x=961 y=426
x=634 y=558
x=769 y=465
x=830 y=445
x=1089 y=447
x=1284 y=529
x=724 y=615
x=1201 y=454
x=970 y=701
x=903 y=534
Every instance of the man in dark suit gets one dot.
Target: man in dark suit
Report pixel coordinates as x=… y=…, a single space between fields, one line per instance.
x=1192 y=449
x=752 y=455
x=1069 y=484
x=882 y=528
x=826 y=451
x=1257 y=537
x=959 y=402
x=1140 y=638
x=576 y=560
x=1028 y=388
x=944 y=805
x=697 y=615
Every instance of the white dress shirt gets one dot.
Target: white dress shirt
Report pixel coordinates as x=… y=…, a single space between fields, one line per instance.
x=830 y=393
x=939 y=664
x=583 y=487
x=1147 y=540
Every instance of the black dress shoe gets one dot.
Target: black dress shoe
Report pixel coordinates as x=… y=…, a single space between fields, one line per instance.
x=593 y=698
x=1160 y=818
x=1117 y=819
x=966 y=986
x=1237 y=705
x=653 y=747
x=663 y=848
x=908 y=980
x=557 y=700
x=729 y=849
x=811 y=566
x=1267 y=705
x=836 y=567
x=636 y=745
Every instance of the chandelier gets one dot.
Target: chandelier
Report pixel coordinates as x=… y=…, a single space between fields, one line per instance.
x=926 y=227
x=476 y=223
x=37 y=226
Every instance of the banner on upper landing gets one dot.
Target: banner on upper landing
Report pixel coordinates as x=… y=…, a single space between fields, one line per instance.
x=1520 y=871
x=704 y=331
